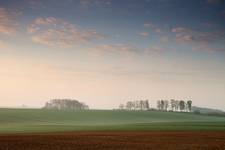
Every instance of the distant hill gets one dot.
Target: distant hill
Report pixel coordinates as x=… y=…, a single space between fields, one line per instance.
x=208 y=111
x=53 y=120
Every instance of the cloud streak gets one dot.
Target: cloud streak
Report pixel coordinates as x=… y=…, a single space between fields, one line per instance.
x=8 y=23
x=57 y=32
x=189 y=35
x=115 y=49
x=124 y=49
x=200 y=39
x=144 y=34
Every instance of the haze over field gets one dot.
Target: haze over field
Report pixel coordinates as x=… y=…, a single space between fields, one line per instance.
x=106 y=52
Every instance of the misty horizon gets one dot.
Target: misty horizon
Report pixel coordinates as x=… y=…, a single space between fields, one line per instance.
x=152 y=104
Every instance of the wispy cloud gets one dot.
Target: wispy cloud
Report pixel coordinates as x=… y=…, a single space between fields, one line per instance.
x=145 y=34
x=125 y=49
x=8 y=23
x=153 y=50
x=160 y=30
x=214 y=1
x=148 y=25
x=206 y=47
x=115 y=48
x=57 y=32
x=156 y=28
x=190 y=35
x=201 y=40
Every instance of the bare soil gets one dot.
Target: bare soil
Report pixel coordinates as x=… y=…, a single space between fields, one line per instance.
x=115 y=140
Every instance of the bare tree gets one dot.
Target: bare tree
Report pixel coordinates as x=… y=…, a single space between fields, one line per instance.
x=121 y=107
x=159 y=105
x=162 y=105
x=137 y=105
x=142 y=106
x=173 y=104
x=147 y=105
x=177 y=105
x=182 y=105
x=189 y=105
x=129 y=105
x=166 y=105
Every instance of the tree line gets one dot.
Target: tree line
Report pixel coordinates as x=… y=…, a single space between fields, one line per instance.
x=135 y=105
x=65 y=104
x=174 y=105
x=162 y=105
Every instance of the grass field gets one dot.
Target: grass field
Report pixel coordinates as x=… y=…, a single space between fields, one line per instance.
x=37 y=120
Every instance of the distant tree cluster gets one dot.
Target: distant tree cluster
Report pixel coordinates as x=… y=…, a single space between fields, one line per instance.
x=65 y=104
x=135 y=105
x=174 y=105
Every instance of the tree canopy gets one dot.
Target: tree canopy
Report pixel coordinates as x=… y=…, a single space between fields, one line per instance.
x=65 y=104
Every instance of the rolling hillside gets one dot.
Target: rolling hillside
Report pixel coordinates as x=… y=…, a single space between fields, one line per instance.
x=37 y=120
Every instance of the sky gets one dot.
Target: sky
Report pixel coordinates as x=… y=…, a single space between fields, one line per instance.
x=107 y=52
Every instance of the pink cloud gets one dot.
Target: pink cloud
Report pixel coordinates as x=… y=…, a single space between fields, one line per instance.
x=124 y=49
x=8 y=23
x=57 y=32
x=200 y=40
x=181 y=30
x=183 y=34
x=154 y=27
x=184 y=38
x=206 y=47
x=116 y=48
x=145 y=34
x=154 y=50
x=187 y=35
x=148 y=25
x=214 y=1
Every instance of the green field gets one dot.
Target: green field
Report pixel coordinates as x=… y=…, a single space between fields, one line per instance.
x=37 y=120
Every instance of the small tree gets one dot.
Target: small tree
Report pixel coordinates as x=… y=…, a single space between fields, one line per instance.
x=173 y=104
x=189 y=105
x=182 y=105
x=147 y=105
x=177 y=103
x=141 y=104
x=129 y=105
x=121 y=107
x=162 y=104
x=159 y=105
x=166 y=104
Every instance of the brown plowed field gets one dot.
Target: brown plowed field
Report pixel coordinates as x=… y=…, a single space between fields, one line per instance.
x=115 y=140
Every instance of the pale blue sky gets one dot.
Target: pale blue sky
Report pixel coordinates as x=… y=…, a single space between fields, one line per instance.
x=105 y=52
